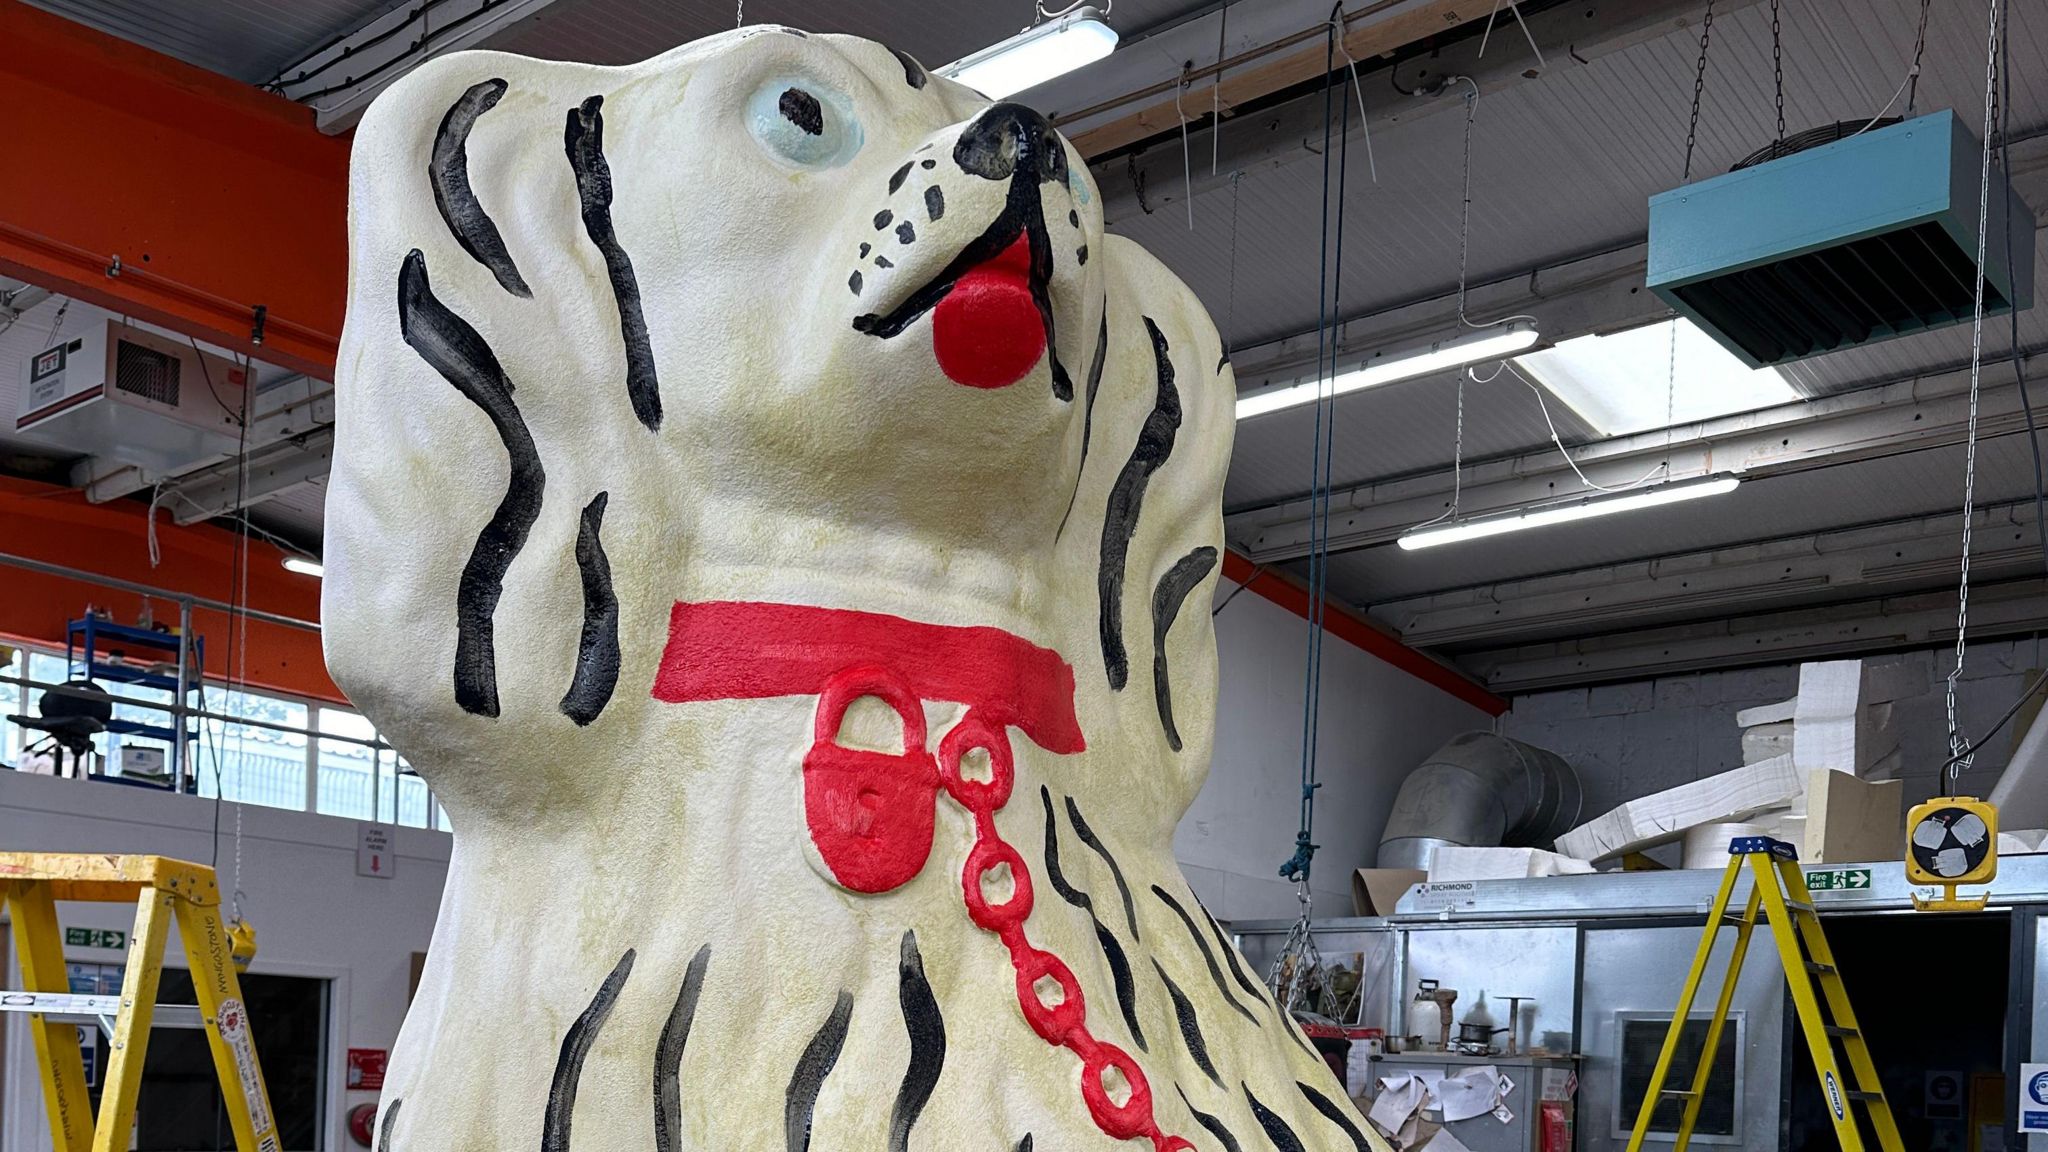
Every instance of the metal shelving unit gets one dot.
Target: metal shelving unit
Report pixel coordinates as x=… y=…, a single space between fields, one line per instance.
x=85 y=643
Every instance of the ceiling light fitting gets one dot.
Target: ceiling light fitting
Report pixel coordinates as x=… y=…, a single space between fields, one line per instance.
x=1583 y=509
x=1384 y=367
x=303 y=566
x=1050 y=48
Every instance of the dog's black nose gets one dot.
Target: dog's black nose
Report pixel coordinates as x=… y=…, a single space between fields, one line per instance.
x=1010 y=138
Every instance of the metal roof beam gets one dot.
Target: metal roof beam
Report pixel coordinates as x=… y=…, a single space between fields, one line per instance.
x=340 y=78
x=1919 y=412
x=1909 y=553
x=1888 y=624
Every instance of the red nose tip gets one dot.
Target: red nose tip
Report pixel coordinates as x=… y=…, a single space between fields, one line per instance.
x=987 y=332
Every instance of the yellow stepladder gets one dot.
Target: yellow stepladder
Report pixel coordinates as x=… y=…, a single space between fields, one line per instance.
x=1778 y=892
x=162 y=890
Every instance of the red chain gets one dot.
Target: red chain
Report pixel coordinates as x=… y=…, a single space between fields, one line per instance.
x=1064 y=1023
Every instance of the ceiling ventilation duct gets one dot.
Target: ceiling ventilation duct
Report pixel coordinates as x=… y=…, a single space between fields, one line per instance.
x=1852 y=242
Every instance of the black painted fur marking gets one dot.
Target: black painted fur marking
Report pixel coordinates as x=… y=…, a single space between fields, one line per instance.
x=448 y=172
x=1053 y=872
x=554 y=1133
x=934 y=201
x=583 y=139
x=897 y=177
x=1229 y=950
x=1334 y=1115
x=811 y=1069
x=384 y=1129
x=1087 y=418
x=1190 y=1028
x=1173 y=588
x=913 y=72
x=1116 y=873
x=1024 y=1145
x=1119 y=964
x=884 y=262
x=1126 y=987
x=463 y=358
x=1126 y=498
x=668 y=1057
x=1212 y=1124
x=853 y=282
x=1277 y=1131
x=882 y=219
x=905 y=234
x=927 y=1029
x=597 y=655
x=1208 y=954
x=1081 y=254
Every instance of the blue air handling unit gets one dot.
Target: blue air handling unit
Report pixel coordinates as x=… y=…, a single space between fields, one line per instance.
x=1853 y=242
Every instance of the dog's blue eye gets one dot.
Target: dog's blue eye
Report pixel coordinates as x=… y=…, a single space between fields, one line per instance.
x=804 y=123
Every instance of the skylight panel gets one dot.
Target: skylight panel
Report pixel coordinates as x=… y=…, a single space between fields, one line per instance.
x=1618 y=383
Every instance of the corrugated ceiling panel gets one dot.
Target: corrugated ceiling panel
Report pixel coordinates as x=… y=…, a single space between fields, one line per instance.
x=249 y=40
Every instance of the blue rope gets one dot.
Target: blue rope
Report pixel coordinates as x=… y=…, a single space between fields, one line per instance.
x=1329 y=307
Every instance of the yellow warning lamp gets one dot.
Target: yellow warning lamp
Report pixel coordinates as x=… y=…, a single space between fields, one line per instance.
x=241 y=944
x=1951 y=841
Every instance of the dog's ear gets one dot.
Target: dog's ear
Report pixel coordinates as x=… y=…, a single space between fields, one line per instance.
x=1141 y=549
x=485 y=413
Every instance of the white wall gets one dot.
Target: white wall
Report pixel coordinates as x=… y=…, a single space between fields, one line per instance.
x=1628 y=740
x=1377 y=723
x=313 y=915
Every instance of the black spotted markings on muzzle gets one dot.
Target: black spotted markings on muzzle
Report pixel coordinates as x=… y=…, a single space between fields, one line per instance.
x=1031 y=157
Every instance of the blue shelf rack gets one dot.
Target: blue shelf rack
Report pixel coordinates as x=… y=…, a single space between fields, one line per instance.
x=87 y=641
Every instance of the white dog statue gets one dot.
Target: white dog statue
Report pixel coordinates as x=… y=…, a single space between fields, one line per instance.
x=780 y=525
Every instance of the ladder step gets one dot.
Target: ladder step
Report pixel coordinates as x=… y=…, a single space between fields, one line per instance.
x=1866 y=1097
x=1679 y=1092
x=1800 y=906
x=1820 y=969
x=1842 y=1032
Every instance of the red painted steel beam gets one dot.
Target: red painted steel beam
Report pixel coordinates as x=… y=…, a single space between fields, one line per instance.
x=215 y=197
x=1360 y=632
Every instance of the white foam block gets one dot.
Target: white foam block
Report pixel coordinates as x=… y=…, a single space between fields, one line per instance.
x=1455 y=862
x=1665 y=816
x=1766 y=714
x=2022 y=789
x=1824 y=715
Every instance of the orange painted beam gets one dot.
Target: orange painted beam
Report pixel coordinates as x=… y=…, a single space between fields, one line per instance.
x=215 y=197
x=57 y=526
x=1361 y=632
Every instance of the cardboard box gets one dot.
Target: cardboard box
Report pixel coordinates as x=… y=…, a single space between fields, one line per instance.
x=1375 y=891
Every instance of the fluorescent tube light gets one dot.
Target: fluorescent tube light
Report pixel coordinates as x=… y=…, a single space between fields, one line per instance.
x=1385 y=367
x=1586 y=509
x=303 y=566
x=1051 y=48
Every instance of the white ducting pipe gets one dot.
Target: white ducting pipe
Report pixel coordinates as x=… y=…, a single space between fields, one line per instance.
x=1480 y=790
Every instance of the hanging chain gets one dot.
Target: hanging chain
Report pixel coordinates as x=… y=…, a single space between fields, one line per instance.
x=1465 y=204
x=1919 y=47
x=1778 y=71
x=1699 y=86
x=1958 y=744
x=740 y=14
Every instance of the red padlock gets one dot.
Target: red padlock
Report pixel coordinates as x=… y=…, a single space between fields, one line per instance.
x=870 y=813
